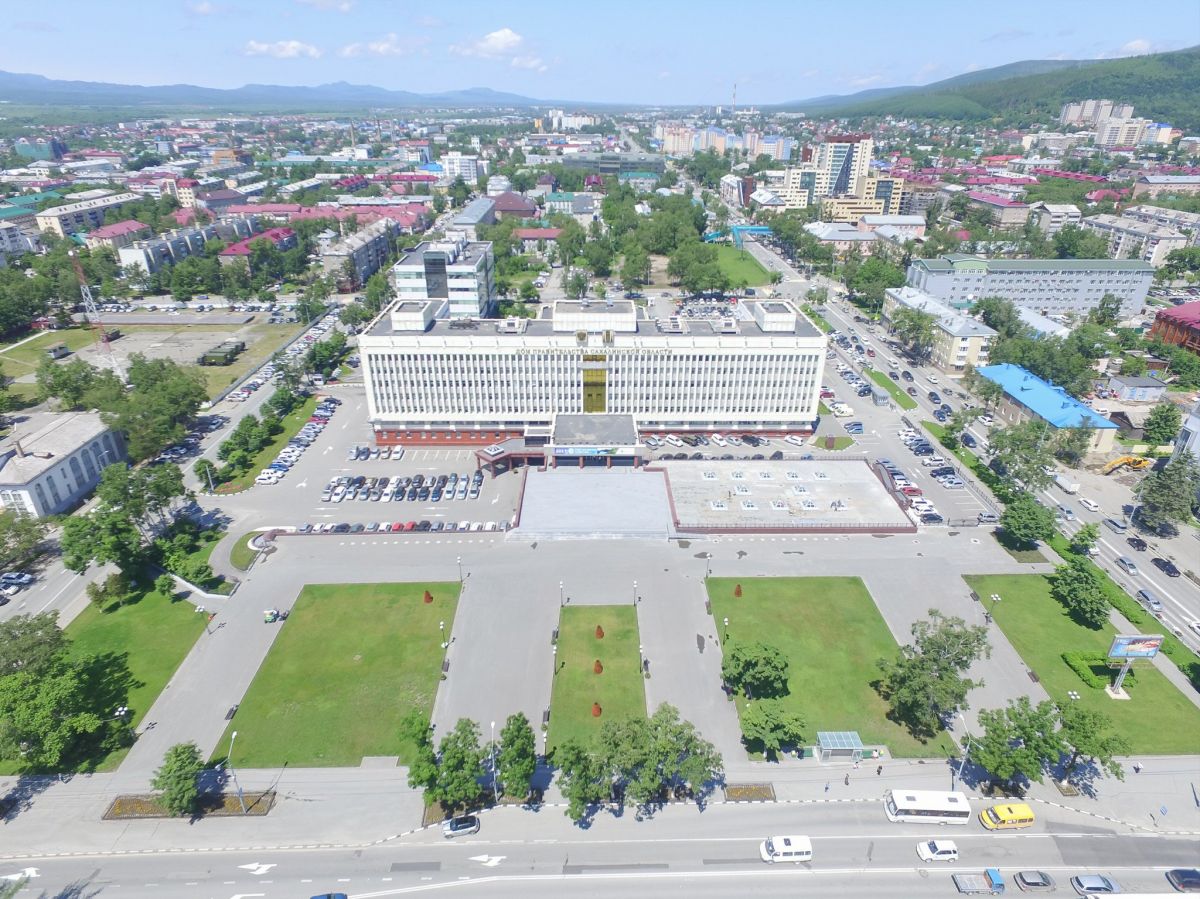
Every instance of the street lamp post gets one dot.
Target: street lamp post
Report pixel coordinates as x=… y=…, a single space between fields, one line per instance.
x=495 y=792
x=232 y=773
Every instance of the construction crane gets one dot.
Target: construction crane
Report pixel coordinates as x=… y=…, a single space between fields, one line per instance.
x=92 y=313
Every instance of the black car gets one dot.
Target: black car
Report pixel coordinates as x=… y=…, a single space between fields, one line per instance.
x=969 y=441
x=1185 y=880
x=1166 y=566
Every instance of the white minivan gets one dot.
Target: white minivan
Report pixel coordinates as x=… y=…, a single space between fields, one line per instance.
x=786 y=849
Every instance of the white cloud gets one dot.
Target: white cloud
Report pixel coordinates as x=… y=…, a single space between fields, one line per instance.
x=865 y=80
x=391 y=44
x=281 y=49
x=329 y=5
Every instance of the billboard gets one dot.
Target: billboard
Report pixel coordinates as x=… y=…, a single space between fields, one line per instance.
x=1135 y=646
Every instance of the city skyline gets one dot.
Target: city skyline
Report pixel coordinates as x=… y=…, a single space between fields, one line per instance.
x=637 y=54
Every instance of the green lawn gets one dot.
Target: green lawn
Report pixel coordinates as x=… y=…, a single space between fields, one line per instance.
x=833 y=635
x=351 y=661
x=739 y=265
x=1158 y=718
x=903 y=400
x=292 y=423
x=620 y=689
x=152 y=636
x=241 y=555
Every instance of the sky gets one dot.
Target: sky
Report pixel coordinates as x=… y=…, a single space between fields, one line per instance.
x=646 y=52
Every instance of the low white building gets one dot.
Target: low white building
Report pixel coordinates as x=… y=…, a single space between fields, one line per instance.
x=432 y=378
x=52 y=461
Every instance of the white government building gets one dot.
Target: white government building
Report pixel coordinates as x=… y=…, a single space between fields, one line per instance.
x=430 y=377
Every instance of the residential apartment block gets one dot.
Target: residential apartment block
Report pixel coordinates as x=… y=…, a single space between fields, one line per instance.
x=1049 y=286
x=959 y=340
x=460 y=271
x=1130 y=239
x=82 y=216
x=365 y=251
x=479 y=381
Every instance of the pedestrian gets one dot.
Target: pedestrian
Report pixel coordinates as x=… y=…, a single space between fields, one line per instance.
x=879 y=770
x=847 y=780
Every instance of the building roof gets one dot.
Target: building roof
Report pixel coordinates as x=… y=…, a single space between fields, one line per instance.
x=511 y=202
x=963 y=262
x=45 y=439
x=537 y=233
x=117 y=229
x=1048 y=402
x=1188 y=314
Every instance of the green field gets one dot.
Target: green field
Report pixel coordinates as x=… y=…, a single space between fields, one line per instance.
x=832 y=635
x=620 y=689
x=150 y=636
x=903 y=400
x=739 y=266
x=350 y=662
x=1157 y=719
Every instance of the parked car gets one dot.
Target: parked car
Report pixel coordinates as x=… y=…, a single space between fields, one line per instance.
x=460 y=825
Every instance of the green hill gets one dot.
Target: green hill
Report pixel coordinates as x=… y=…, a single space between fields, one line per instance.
x=1161 y=86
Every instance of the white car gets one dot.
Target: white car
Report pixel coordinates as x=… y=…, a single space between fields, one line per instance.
x=937 y=851
x=1090 y=504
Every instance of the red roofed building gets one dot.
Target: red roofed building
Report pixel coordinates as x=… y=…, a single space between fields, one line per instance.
x=531 y=237
x=1179 y=326
x=511 y=205
x=283 y=238
x=117 y=235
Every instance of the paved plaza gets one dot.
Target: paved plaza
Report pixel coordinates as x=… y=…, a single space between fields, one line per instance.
x=766 y=495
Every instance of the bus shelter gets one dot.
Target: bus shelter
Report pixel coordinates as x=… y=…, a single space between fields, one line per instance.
x=834 y=745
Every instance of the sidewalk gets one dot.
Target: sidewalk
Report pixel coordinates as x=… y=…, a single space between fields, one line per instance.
x=357 y=807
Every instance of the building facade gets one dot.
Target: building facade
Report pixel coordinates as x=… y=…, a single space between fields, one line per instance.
x=958 y=340
x=429 y=378
x=1049 y=286
x=1130 y=239
x=364 y=252
x=457 y=270
x=83 y=216
x=52 y=462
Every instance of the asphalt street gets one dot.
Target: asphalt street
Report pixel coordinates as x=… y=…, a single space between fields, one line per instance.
x=857 y=852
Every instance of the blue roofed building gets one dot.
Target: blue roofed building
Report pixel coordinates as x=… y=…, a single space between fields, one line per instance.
x=1028 y=397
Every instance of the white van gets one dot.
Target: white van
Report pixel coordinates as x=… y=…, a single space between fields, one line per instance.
x=786 y=849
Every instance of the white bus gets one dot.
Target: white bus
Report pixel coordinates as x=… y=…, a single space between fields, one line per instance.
x=926 y=807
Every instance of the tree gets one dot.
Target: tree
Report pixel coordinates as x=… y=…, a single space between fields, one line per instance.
x=460 y=764
x=1162 y=424
x=1022 y=453
x=1168 y=495
x=518 y=754
x=20 y=539
x=1018 y=742
x=423 y=770
x=178 y=779
x=1085 y=538
x=1078 y=586
x=1087 y=736
x=771 y=723
x=757 y=669
x=1026 y=521
x=583 y=777
x=31 y=643
x=925 y=682
x=1074 y=242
